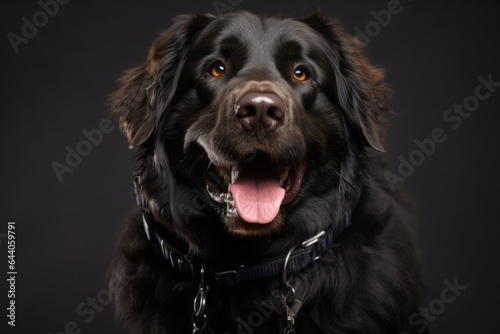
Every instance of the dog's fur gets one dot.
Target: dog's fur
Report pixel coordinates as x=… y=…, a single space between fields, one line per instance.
x=181 y=121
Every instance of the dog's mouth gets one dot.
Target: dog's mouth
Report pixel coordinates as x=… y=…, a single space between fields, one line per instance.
x=255 y=190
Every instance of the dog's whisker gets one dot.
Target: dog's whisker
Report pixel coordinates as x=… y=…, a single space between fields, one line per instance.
x=174 y=170
x=210 y=164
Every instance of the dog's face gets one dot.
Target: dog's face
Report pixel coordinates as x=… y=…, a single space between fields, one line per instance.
x=257 y=124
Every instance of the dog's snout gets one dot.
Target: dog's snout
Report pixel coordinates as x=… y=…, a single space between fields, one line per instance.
x=260 y=111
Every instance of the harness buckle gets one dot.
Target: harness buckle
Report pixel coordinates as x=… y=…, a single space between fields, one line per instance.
x=231 y=278
x=315 y=240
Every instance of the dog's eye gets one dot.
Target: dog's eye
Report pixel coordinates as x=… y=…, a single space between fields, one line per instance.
x=218 y=69
x=300 y=74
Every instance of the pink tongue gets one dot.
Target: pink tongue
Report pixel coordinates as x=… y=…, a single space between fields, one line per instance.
x=257 y=199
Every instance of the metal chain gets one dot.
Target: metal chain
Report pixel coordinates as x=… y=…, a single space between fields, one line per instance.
x=290 y=303
x=292 y=306
x=199 y=317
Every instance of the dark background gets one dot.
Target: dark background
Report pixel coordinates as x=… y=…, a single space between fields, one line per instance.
x=57 y=85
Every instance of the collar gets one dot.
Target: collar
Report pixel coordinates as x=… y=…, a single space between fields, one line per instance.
x=296 y=259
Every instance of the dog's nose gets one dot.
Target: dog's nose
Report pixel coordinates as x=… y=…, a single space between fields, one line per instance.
x=258 y=111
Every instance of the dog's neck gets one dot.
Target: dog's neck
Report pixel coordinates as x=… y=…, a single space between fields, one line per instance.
x=297 y=258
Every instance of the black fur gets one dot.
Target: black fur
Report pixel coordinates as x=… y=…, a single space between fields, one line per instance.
x=180 y=119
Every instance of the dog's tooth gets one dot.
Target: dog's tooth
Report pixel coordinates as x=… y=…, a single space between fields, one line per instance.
x=227 y=178
x=223 y=172
x=234 y=173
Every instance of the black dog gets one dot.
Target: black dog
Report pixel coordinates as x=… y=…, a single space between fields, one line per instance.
x=262 y=202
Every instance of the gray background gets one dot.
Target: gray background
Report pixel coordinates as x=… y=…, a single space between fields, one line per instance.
x=57 y=84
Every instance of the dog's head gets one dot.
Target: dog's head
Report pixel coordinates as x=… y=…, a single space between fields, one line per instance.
x=254 y=124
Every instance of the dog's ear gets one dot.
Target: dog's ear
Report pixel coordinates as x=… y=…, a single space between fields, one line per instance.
x=146 y=91
x=360 y=90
